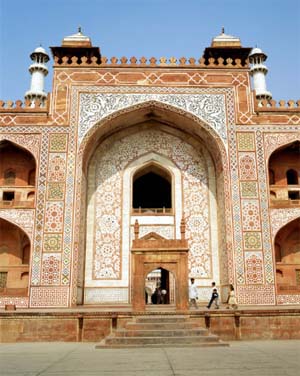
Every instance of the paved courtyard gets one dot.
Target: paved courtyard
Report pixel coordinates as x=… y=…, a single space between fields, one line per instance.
x=255 y=358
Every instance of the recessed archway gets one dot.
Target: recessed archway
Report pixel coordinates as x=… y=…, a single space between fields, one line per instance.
x=172 y=123
x=14 y=259
x=287 y=253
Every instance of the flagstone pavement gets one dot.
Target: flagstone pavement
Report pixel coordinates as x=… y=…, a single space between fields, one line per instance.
x=242 y=358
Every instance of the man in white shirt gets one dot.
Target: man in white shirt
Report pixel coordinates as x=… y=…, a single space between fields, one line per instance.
x=193 y=293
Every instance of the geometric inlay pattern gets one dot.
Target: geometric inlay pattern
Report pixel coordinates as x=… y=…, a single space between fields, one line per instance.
x=58 y=142
x=255 y=294
x=254 y=267
x=252 y=240
x=54 y=216
x=245 y=141
x=52 y=242
x=250 y=215
x=57 y=167
x=248 y=189
x=49 y=296
x=55 y=191
x=51 y=269
x=247 y=166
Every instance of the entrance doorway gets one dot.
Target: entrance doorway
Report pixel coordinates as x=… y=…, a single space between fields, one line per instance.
x=160 y=287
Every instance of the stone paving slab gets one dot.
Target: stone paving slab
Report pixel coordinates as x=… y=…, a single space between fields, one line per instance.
x=245 y=358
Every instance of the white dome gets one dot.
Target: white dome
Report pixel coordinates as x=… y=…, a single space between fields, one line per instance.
x=40 y=50
x=256 y=51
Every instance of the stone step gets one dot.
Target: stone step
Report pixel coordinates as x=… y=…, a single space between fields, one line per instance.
x=102 y=345
x=161 y=331
x=161 y=319
x=164 y=333
x=161 y=325
x=111 y=340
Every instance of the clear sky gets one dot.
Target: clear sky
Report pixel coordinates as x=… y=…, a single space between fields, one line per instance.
x=150 y=28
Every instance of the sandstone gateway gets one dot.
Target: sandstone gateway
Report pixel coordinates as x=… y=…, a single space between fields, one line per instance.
x=136 y=172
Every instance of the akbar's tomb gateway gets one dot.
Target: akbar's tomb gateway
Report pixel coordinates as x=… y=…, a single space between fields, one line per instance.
x=134 y=172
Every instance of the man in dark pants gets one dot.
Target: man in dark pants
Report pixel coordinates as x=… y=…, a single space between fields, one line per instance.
x=214 y=297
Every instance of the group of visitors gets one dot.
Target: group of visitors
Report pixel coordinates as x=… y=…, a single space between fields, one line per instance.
x=214 y=299
x=159 y=295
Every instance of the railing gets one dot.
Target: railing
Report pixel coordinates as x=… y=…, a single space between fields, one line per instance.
x=16 y=204
x=284 y=203
x=151 y=211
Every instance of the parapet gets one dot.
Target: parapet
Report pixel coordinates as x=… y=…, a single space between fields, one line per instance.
x=26 y=106
x=263 y=105
x=95 y=61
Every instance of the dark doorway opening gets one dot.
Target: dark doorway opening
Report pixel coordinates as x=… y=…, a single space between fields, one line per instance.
x=152 y=190
x=159 y=287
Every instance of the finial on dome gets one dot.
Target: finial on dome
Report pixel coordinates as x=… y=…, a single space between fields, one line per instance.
x=79 y=29
x=223 y=30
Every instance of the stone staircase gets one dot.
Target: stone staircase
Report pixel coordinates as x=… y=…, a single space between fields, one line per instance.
x=161 y=331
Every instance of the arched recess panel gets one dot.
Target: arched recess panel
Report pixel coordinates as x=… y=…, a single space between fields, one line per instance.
x=17 y=175
x=287 y=246
x=14 y=259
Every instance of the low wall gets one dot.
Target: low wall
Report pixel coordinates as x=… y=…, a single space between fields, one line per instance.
x=92 y=327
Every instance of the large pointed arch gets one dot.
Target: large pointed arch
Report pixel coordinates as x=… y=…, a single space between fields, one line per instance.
x=152 y=113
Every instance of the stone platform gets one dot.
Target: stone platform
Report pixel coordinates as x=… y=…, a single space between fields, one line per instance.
x=86 y=324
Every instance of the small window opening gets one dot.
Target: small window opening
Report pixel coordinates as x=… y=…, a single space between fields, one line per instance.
x=152 y=191
x=292 y=177
x=294 y=195
x=8 y=196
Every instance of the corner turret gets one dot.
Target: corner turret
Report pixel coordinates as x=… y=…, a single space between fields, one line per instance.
x=38 y=72
x=259 y=71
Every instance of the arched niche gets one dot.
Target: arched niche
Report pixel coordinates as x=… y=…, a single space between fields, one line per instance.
x=17 y=175
x=284 y=168
x=287 y=249
x=14 y=259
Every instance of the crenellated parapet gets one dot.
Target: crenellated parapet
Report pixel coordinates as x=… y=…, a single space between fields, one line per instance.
x=264 y=105
x=24 y=106
x=94 y=61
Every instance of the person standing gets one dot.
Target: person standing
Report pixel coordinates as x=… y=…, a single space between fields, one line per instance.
x=232 y=302
x=214 y=297
x=193 y=294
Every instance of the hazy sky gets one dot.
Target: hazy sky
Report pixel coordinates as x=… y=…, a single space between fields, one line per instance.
x=150 y=28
